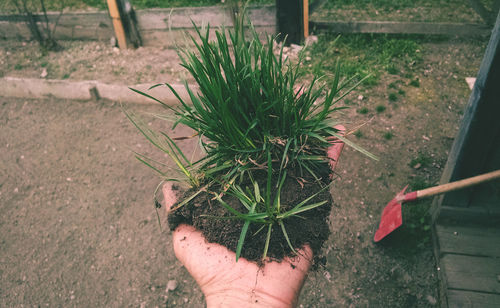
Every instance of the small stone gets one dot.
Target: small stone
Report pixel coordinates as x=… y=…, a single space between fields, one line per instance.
x=328 y=276
x=311 y=39
x=296 y=47
x=116 y=50
x=112 y=42
x=68 y=179
x=171 y=285
x=498 y=278
x=426 y=138
x=431 y=300
x=44 y=73
x=417 y=166
x=360 y=97
x=16 y=190
x=308 y=58
x=455 y=233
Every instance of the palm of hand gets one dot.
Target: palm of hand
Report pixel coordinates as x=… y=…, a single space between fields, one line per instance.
x=225 y=281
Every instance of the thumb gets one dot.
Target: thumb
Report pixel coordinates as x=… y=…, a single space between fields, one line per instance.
x=170 y=195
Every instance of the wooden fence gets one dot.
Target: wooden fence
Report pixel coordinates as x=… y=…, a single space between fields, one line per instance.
x=156 y=26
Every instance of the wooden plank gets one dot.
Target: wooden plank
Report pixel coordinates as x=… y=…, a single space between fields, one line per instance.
x=471 y=273
x=458 y=298
x=480 y=125
x=180 y=36
x=469 y=240
x=216 y=16
x=476 y=214
x=394 y=27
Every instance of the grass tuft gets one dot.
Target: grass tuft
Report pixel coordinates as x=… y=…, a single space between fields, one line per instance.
x=250 y=116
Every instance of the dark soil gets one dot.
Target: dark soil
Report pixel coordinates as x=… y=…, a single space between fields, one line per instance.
x=310 y=228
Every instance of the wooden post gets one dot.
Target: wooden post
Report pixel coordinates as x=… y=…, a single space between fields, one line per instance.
x=305 y=17
x=293 y=20
x=114 y=12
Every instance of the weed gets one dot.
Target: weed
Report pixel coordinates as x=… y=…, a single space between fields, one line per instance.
x=392 y=69
x=415 y=83
x=393 y=97
x=363 y=110
x=18 y=67
x=393 y=85
x=418 y=183
x=65 y=76
x=422 y=160
x=358 y=134
x=388 y=135
x=380 y=108
x=401 y=92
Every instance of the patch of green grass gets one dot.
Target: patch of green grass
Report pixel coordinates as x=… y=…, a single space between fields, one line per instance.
x=55 y=5
x=415 y=82
x=392 y=69
x=358 y=134
x=393 y=85
x=401 y=92
x=422 y=160
x=380 y=108
x=418 y=183
x=363 y=54
x=393 y=97
x=363 y=110
x=18 y=67
x=388 y=135
x=66 y=76
x=44 y=64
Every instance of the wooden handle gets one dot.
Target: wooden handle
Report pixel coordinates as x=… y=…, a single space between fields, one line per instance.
x=458 y=184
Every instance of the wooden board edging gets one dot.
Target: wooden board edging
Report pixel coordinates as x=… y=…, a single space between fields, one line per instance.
x=395 y=27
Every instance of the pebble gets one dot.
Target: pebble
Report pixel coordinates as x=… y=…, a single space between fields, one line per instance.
x=44 y=73
x=311 y=39
x=418 y=165
x=360 y=97
x=431 y=300
x=171 y=285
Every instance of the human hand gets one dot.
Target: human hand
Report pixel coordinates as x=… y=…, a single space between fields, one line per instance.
x=225 y=282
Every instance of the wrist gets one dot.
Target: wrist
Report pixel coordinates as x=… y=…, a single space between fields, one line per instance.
x=243 y=299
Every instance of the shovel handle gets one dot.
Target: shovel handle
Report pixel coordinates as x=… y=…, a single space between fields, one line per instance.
x=431 y=191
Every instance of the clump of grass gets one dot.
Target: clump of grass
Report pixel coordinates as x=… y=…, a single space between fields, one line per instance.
x=363 y=110
x=422 y=160
x=358 y=134
x=393 y=97
x=250 y=117
x=380 y=108
x=415 y=83
x=388 y=135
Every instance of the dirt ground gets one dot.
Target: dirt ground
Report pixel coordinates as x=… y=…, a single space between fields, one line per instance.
x=77 y=222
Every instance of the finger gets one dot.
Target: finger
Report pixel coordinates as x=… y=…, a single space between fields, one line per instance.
x=335 y=149
x=170 y=195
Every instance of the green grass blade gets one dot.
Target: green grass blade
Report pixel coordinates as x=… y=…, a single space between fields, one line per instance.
x=280 y=222
x=266 y=245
